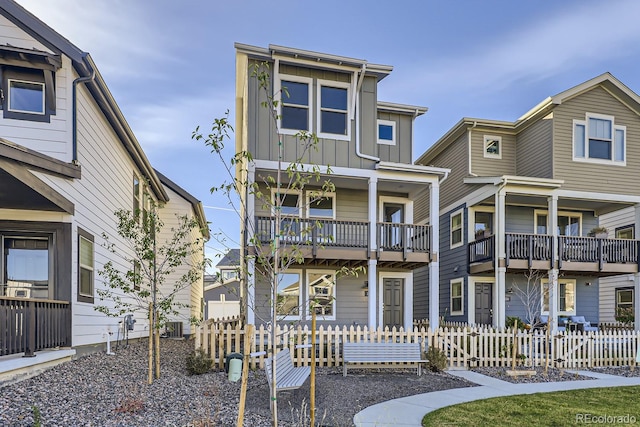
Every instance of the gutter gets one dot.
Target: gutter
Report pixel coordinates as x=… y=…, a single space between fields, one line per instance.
x=356 y=98
x=74 y=108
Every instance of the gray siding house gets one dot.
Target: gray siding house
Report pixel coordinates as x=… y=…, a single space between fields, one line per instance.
x=527 y=196
x=367 y=143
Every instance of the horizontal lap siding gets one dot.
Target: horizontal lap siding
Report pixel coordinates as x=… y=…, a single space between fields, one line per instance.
x=535 y=150
x=483 y=166
x=453 y=264
x=421 y=293
x=456 y=159
x=589 y=176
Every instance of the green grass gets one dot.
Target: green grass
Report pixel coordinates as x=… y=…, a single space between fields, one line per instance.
x=544 y=409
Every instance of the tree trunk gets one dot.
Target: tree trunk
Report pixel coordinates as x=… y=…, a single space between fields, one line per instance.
x=157 y=335
x=150 y=374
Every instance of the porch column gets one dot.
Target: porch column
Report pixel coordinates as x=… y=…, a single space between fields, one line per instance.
x=372 y=273
x=552 y=219
x=636 y=288
x=499 y=317
x=434 y=265
x=372 y=267
x=248 y=300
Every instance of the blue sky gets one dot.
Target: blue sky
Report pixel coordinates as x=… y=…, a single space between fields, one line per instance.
x=170 y=64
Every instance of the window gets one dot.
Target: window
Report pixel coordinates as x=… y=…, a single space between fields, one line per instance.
x=322 y=293
x=483 y=224
x=456 y=229
x=288 y=299
x=26 y=97
x=136 y=194
x=27 y=266
x=569 y=224
x=229 y=275
x=598 y=139
x=626 y=232
x=85 y=266
x=333 y=113
x=322 y=206
x=296 y=107
x=455 y=305
x=29 y=94
x=386 y=132
x=137 y=278
x=624 y=299
x=492 y=147
x=566 y=296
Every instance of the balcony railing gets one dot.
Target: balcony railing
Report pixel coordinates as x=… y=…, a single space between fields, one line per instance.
x=28 y=325
x=404 y=237
x=590 y=249
x=481 y=250
x=531 y=247
x=315 y=232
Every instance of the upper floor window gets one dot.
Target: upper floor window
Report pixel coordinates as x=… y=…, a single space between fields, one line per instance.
x=333 y=113
x=386 y=132
x=28 y=94
x=626 y=232
x=321 y=205
x=456 y=229
x=296 y=106
x=26 y=97
x=492 y=147
x=569 y=223
x=137 y=194
x=598 y=139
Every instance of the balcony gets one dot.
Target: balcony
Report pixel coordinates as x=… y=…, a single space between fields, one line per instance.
x=591 y=255
x=334 y=242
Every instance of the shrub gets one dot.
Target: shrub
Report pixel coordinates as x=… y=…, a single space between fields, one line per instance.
x=198 y=362
x=436 y=359
x=511 y=320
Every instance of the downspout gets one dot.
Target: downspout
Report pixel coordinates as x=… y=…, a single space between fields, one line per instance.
x=74 y=113
x=356 y=99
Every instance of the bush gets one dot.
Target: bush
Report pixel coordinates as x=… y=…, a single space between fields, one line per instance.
x=198 y=362
x=436 y=359
x=512 y=319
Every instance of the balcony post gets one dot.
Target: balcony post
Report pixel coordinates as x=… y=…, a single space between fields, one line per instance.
x=372 y=272
x=636 y=288
x=499 y=311
x=552 y=219
x=373 y=213
x=434 y=265
x=247 y=274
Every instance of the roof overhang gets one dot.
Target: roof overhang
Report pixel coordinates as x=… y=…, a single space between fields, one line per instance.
x=522 y=181
x=390 y=107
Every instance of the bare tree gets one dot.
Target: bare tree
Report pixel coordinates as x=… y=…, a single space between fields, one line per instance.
x=529 y=294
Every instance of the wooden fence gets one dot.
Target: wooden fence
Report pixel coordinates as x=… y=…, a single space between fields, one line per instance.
x=466 y=347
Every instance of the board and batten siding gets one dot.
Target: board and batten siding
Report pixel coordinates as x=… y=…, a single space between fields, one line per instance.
x=400 y=152
x=607 y=286
x=487 y=166
x=263 y=141
x=535 y=149
x=594 y=177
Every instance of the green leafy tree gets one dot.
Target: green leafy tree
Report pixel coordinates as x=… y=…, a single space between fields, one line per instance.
x=159 y=271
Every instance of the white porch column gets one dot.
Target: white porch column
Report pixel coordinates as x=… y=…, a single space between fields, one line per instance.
x=434 y=265
x=249 y=227
x=372 y=274
x=552 y=219
x=636 y=288
x=499 y=312
x=372 y=270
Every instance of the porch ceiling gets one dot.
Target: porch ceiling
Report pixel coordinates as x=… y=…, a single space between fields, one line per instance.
x=598 y=206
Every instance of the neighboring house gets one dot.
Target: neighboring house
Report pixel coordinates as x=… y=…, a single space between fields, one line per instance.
x=370 y=221
x=524 y=195
x=222 y=290
x=68 y=161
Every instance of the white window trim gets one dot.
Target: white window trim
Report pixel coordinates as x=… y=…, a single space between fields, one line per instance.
x=286 y=191
x=86 y=267
x=586 y=158
x=408 y=207
x=278 y=98
x=44 y=110
x=471 y=233
x=339 y=85
x=487 y=139
x=393 y=132
x=309 y=195
x=537 y=212
x=545 y=282
x=451 y=216
x=335 y=292
x=460 y=312
x=300 y=295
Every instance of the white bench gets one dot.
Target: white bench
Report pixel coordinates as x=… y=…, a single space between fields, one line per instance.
x=372 y=354
x=288 y=377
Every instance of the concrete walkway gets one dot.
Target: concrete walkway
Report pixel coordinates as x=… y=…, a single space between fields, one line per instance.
x=408 y=411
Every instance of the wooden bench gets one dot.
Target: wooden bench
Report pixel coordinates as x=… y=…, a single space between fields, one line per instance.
x=288 y=377
x=373 y=354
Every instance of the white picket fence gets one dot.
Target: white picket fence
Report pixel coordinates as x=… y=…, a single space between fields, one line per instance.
x=464 y=346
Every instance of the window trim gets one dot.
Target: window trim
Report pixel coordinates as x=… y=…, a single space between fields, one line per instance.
x=631 y=227
x=309 y=194
x=283 y=192
x=486 y=140
x=278 y=97
x=452 y=282
x=43 y=111
x=82 y=297
x=545 y=283
x=336 y=85
x=308 y=294
x=300 y=299
x=451 y=230
x=614 y=128
x=390 y=123
x=537 y=212
x=624 y=289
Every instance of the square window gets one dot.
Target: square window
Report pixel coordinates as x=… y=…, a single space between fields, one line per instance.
x=492 y=147
x=26 y=96
x=386 y=132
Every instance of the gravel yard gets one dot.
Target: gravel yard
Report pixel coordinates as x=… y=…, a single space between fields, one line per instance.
x=101 y=390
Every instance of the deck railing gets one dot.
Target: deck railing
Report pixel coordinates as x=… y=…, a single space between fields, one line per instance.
x=398 y=237
x=28 y=325
x=531 y=247
x=482 y=250
x=590 y=249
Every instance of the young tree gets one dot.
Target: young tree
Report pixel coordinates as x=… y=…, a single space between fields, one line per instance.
x=529 y=296
x=282 y=241
x=145 y=287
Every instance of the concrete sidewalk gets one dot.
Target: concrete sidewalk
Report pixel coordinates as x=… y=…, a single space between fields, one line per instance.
x=408 y=411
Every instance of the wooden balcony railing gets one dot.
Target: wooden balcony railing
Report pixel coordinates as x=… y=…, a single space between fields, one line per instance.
x=404 y=237
x=28 y=325
x=590 y=249
x=530 y=247
x=315 y=232
x=481 y=250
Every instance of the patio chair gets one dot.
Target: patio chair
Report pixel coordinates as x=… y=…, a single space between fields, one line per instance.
x=585 y=324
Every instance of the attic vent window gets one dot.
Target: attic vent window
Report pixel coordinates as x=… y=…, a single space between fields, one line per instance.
x=26 y=97
x=492 y=147
x=386 y=132
x=599 y=140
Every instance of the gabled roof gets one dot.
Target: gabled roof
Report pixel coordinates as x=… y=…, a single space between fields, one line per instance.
x=85 y=67
x=231 y=259
x=606 y=80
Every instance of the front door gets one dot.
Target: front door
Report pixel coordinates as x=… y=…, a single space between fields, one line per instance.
x=484 y=303
x=393 y=300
